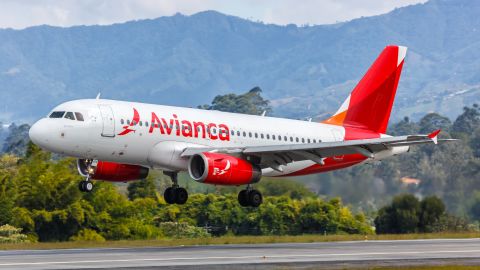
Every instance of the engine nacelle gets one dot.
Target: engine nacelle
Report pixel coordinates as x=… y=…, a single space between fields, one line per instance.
x=222 y=169
x=111 y=171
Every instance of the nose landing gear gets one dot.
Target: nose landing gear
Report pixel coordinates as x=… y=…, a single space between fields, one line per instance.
x=175 y=194
x=87 y=169
x=250 y=197
x=85 y=185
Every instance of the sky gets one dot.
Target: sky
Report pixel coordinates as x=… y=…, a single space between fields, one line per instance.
x=20 y=14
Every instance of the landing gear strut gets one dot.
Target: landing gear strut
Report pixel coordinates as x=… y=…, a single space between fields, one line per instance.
x=87 y=185
x=250 y=197
x=175 y=194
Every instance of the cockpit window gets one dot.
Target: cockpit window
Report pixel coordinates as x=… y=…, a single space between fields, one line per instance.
x=69 y=115
x=58 y=114
x=79 y=116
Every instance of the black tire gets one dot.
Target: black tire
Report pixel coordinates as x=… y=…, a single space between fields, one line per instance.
x=243 y=198
x=255 y=198
x=169 y=195
x=181 y=195
x=80 y=186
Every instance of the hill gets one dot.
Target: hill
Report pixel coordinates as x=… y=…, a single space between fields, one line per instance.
x=187 y=60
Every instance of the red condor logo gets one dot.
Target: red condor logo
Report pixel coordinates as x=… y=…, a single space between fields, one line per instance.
x=129 y=128
x=185 y=128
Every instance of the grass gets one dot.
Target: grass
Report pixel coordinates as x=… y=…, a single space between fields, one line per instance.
x=234 y=240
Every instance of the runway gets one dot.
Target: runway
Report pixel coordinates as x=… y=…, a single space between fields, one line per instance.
x=262 y=256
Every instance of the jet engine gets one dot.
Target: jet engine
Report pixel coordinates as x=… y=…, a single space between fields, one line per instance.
x=111 y=171
x=222 y=169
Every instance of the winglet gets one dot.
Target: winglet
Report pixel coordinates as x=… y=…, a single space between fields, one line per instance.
x=434 y=135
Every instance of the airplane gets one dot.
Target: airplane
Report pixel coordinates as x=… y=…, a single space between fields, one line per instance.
x=121 y=141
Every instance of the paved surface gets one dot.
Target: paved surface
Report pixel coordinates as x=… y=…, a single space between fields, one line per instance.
x=318 y=255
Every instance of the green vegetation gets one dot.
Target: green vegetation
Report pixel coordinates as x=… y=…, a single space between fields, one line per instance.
x=41 y=196
x=450 y=171
x=10 y=234
x=406 y=214
x=249 y=103
x=229 y=239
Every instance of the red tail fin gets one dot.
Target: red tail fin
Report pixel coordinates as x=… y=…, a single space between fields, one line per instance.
x=370 y=103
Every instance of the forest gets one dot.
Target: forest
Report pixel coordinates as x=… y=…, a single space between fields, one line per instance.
x=433 y=188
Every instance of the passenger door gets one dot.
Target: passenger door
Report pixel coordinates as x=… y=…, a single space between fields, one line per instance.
x=108 y=121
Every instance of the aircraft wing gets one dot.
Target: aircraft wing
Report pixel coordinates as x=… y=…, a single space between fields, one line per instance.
x=275 y=155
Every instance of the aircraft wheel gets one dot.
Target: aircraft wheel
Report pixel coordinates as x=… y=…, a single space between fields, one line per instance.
x=243 y=198
x=181 y=195
x=170 y=195
x=85 y=186
x=255 y=198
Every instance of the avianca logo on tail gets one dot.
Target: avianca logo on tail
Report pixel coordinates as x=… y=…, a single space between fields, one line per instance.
x=129 y=128
x=183 y=128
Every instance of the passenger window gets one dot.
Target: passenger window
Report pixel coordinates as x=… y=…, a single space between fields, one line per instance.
x=232 y=132
x=308 y=140
x=273 y=137
x=296 y=139
x=121 y=121
x=250 y=134
x=268 y=136
x=256 y=135
x=69 y=115
x=261 y=135
x=291 y=139
x=79 y=116
x=146 y=124
x=128 y=122
x=57 y=114
x=244 y=134
x=303 y=140
x=140 y=123
x=238 y=133
x=285 y=138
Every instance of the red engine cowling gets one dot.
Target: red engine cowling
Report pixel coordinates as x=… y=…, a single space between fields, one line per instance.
x=111 y=171
x=222 y=169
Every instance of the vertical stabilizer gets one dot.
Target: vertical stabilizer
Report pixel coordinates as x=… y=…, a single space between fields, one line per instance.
x=370 y=103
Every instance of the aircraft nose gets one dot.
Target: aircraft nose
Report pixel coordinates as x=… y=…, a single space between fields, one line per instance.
x=38 y=133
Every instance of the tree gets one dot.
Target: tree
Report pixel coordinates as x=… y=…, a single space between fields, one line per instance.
x=403 y=127
x=432 y=210
x=468 y=121
x=434 y=121
x=142 y=189
x=401 y=216
x=249 y=103
x=8 y=191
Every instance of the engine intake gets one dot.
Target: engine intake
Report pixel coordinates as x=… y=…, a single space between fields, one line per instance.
x=111 y=171
x=222 y=169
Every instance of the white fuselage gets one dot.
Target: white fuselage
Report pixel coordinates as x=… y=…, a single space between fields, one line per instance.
x=107 y=133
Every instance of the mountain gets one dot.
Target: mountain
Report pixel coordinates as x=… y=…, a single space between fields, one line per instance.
x=187 y=60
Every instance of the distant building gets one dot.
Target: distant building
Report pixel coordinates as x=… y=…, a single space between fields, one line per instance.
x=407 y=181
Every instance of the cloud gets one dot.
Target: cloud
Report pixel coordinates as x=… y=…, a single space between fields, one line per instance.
x=21 y=14
x=12 y=71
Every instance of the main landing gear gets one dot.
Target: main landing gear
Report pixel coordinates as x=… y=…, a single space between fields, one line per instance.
x=250 y=197
x=175 y=194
